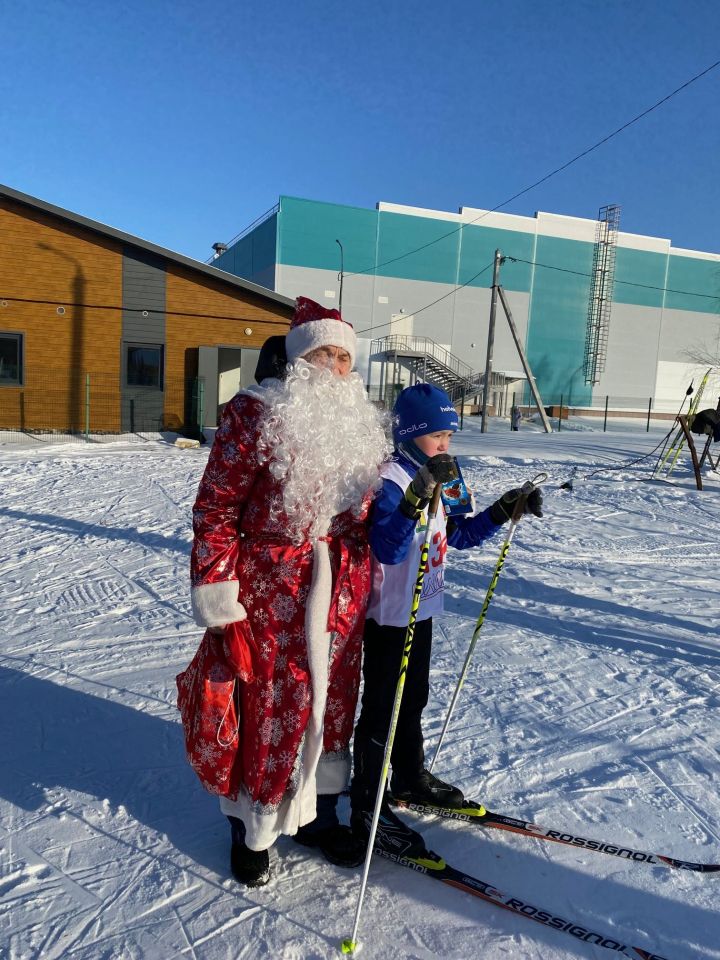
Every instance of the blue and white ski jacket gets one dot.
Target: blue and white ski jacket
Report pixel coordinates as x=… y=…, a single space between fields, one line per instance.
x=396 y=543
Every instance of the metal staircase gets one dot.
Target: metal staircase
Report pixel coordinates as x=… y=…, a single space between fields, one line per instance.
x=474 y=387
x=426 y=361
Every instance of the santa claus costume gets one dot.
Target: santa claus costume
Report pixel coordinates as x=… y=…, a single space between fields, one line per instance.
x=281 y=553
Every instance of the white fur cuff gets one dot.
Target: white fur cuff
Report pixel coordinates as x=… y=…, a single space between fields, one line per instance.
x=333 y=773
x=217 y=604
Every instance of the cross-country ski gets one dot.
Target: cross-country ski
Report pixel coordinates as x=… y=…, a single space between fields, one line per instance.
x=434 y=867
x=475 y=815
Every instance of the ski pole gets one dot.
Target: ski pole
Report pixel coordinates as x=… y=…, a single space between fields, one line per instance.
x=349 y=944
x=525 y=491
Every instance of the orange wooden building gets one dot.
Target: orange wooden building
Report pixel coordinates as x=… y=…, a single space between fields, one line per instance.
x=103 y=332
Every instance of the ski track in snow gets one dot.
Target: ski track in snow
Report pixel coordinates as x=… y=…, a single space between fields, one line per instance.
x=591 y=705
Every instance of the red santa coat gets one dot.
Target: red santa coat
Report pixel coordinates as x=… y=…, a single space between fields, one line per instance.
x=302 y=608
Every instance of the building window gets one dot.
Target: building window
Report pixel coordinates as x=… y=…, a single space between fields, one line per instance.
x=11 y=359
x=144 y=365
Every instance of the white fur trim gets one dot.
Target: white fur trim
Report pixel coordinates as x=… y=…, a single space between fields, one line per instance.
x=256 y=390
x=262 y=830
x=217 y=604
x=333 y=774
x=299 y=341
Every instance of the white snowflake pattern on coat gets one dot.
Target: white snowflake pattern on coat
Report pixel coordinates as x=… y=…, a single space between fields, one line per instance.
x=283 y=607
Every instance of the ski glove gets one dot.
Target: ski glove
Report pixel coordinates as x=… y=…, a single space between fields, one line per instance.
x=438 y=469
x=502 y=510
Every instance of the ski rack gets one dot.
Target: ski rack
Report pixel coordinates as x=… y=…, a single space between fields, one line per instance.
x=675 y=448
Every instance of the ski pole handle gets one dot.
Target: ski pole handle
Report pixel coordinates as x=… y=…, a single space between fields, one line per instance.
x=525 y=490
x=435 y=502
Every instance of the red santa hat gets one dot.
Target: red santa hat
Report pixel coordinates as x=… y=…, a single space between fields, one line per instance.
x=314 y=326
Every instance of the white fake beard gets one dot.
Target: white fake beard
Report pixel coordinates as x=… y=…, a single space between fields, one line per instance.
x=325 y=442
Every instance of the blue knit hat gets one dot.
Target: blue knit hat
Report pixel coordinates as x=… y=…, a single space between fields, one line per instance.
x=422 y=409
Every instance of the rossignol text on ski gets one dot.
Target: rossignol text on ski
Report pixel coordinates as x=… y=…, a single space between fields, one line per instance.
x=478 y=816
x=435 y=867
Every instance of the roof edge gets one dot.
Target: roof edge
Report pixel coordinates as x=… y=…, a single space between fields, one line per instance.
x=96 y=227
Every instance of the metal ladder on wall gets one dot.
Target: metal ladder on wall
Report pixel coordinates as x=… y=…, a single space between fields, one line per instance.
x=601 y=292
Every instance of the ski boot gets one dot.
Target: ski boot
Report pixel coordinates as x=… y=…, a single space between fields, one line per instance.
x=337 y=843
x=425 y=788
x=392 y=836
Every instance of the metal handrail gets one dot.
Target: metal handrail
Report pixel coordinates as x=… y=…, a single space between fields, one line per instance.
x=397 y=342
x=475 y=385
x=246 y=230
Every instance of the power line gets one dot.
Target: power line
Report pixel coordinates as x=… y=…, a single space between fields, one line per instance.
x=145 y=311
x=414 y=313
x=544 y=179
x=547 y=266
x=630 y=283
x=372 y=329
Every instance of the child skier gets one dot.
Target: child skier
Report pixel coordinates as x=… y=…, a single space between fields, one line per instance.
x=424 y=421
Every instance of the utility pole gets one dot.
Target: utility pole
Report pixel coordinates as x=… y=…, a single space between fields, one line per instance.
x=525 y=362
x=491 y=338
x=341 y=275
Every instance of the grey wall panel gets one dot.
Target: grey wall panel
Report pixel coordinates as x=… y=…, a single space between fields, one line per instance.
x=409 y=296
x=630 y=367
x=143 y=290
x=144 y=285
x=457 y=320
x=682 y=330
x=472 y=321
x=309 y=282
x=361 y=294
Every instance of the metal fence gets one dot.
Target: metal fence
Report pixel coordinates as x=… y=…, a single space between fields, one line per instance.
x=604 y=413
x=77 y=406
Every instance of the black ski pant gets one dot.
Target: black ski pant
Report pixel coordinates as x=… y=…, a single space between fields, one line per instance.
x=382 y=654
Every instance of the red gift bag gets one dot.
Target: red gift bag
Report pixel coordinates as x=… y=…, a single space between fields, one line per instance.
x=209 y=708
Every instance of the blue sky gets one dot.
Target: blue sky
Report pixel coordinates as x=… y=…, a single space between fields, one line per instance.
x=181 y=122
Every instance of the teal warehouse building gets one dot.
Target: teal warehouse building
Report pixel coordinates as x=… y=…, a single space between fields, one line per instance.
x=427 y=274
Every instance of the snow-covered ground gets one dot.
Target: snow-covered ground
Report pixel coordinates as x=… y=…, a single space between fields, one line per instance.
x=591 y=705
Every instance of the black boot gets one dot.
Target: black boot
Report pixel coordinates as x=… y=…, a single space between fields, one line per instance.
x=249 y=867
x=337 y=843
x=392 y=835
x=423 y=787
